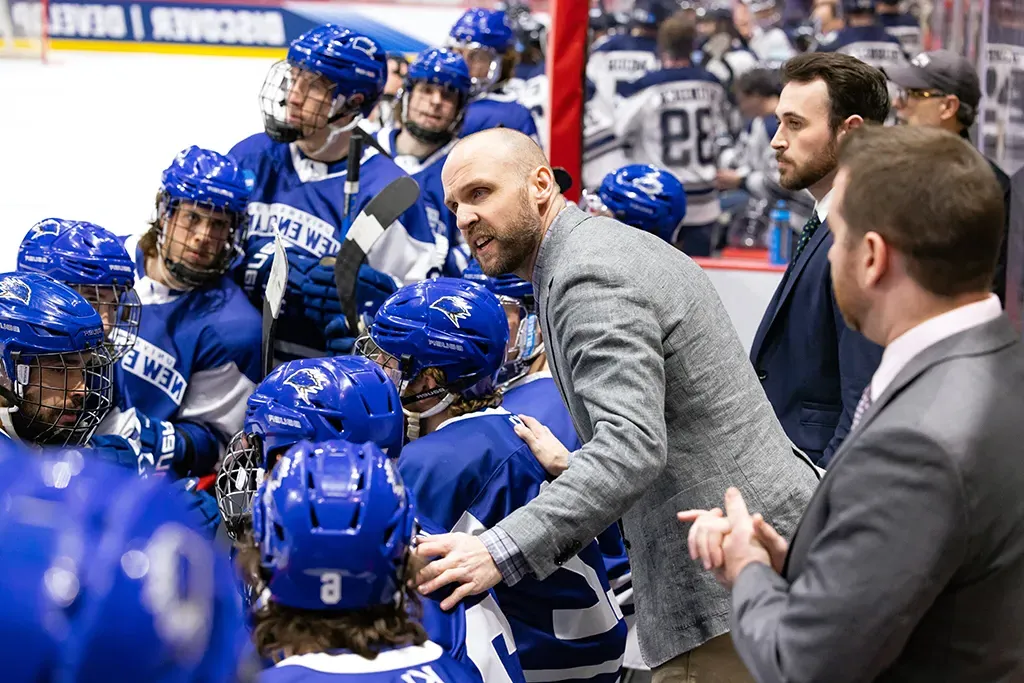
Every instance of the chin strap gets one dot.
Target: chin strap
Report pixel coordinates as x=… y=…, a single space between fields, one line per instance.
x=6 y=423
x=412 y=422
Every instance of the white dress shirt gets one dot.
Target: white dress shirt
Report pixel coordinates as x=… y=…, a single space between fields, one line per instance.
x=902 y=350
x=821 y=207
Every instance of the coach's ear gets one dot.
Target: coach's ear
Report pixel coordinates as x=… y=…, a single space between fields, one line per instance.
x=851 y=123
x=545 y=187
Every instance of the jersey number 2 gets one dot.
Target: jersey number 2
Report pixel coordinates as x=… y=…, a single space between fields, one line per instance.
x=679 y=140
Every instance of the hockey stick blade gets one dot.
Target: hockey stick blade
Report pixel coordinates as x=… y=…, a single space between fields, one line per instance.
x=273 y=297
x=383 y=210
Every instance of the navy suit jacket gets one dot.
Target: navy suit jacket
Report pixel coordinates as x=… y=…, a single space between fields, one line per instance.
x=812 y=366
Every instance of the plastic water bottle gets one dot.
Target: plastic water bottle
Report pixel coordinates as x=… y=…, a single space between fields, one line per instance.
x=780 y=235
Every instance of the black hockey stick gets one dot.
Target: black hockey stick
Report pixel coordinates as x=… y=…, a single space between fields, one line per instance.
x=273 y=297
x=383 y=210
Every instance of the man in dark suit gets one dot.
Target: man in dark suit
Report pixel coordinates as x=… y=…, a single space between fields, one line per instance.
x=908 y=564
x=811 y=365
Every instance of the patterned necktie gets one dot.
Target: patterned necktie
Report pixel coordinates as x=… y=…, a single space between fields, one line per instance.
x=862 y=406
x=806 y=234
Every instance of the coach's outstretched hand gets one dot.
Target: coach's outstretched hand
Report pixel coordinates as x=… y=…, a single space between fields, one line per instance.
x=462 y=558
x=545 y=446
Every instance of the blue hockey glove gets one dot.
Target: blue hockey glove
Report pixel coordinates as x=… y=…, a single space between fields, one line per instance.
x=202 y=507
x=113 y=449
x=162 y=447
x=372 y=288
x=320 y=293
x=340 y=341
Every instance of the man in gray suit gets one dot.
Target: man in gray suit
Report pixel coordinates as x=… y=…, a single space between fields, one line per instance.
x=909 y=562
x=659 y=389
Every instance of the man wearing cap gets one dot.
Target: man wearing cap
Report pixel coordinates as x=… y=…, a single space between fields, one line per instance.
x=942 y=89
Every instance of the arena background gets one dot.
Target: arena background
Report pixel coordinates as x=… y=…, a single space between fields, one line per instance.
x=122 y=86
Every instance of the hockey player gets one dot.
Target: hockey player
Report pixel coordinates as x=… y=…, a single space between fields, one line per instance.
x=311 y=103
x=485 y=40
x=603 y=152
x=388 y=110
x=676 y=119
x=56 y=369
x=197 y=356
x=641 y=195
x=443 y=342
x=864 y=38
x=625 y=57
x=767 y=39
x=903 y=25
x=350 y=398
x=93 y=262
x=333 y=526
x=105 y=579
x=433 y=103
x=529 y=82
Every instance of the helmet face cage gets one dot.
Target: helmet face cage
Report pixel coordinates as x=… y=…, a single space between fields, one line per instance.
x=198 y=241
x=297 y=102
x=238 y=480
x=61 y=397
x=395 y=368
x=121 y=311
x=425 y=134
x=524 y=346
x=475 y=53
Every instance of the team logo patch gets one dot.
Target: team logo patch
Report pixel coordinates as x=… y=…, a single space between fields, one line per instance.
x=455 y=308
x=649 y=185
x=15 y=289
x=364 y=45
x=307 y=382
x=48 y=227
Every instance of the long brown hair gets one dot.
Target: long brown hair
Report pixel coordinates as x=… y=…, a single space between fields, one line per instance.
x=461 y=405
x=280 y=631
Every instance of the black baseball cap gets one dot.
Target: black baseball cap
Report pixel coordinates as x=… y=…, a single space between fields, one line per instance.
x=940 y=70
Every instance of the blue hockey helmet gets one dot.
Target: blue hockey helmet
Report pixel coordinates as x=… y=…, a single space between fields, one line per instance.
x=516 y=297
x=92 y=261
x=454 y=325
x=315 y=399
x=200 y=210
x=334 y=522
x=483 y=36
x=56 y=370
x=444 y=68
x=95 y=558
x=650 y=13
x=330 y=73
x=641 y=195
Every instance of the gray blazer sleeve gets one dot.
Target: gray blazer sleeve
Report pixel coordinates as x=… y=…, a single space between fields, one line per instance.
x=895 y=534
x=609 y=332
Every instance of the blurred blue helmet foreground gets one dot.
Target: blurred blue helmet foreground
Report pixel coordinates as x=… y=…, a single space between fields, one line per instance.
x=334 y=522
x=92 y=261
x=330 y=73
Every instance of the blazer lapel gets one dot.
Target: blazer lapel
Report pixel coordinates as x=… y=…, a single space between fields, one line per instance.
x=781 y=294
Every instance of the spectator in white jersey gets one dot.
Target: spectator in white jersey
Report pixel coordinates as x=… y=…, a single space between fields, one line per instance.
x=675 y=118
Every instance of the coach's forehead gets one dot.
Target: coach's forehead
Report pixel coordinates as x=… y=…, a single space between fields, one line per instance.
x=477 y=155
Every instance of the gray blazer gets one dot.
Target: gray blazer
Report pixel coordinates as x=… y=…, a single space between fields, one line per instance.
x=670 y=413
x=909 y=562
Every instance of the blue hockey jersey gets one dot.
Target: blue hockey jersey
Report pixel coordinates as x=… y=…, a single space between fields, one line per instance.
x=471 y=473
x=427 y=172
x=870 y=44
x=303 y=200
x=195 y=362
x=494 y=109
x=475 y=633
x=537 y=395
x=426 y=663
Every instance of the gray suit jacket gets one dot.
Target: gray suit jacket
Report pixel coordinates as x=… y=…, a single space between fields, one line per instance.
x=670 y=413
x=909 y=562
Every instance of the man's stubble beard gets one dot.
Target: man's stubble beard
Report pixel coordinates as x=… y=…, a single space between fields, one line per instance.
x=816 y=169
x=517 y=241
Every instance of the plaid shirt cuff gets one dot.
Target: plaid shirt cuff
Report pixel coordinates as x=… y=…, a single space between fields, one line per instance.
x=506 y=555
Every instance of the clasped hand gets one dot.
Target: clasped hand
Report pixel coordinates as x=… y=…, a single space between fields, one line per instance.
x=726 y=542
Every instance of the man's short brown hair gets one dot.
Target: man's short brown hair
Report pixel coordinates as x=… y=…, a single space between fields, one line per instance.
x=932 y=197
x=854 y=88
x=676 y=36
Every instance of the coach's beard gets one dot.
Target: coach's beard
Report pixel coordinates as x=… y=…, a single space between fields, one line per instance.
x=803 y=177
x=510 y=247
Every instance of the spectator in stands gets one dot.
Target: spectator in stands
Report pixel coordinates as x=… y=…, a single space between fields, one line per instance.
x=812 y=366
x=909 y=562
x=942 y=89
